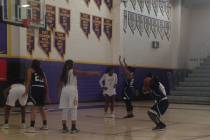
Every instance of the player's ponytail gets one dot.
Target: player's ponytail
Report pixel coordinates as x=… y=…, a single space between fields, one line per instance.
x=68 y=65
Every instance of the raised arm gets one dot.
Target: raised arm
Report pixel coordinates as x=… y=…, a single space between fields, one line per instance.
x=86 y=73
x=125 y=67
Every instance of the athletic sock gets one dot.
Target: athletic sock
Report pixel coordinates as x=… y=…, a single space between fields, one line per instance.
x=45 y=122
x=73 y=126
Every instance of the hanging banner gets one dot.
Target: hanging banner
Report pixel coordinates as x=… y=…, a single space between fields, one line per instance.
x=60 y=42
x=30 y=40
x=161 y=6
x=97 y=25
x=109 y=3
x=65 y=19
x=155 y=27
x=148 y=4
x=45 y=40
x=125 y=21
x=133 y=2
x=108 y=28
x=51 y=16
x=141 y=4
x=87 y=2
x=147 y=25
x=36 y=8
x=85 y=23
x=167 y=29
x=132 y=21
x=140 y=24
x=155 y=6
x=168 y=9
x=161 y=28
x=98 y=3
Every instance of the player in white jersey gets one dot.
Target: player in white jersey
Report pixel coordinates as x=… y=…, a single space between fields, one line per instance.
x=68 y=93
x=15 y=93
x=108 y=83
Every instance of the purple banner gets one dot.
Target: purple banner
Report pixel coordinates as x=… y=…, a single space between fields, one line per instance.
x=65 y=19
x=60 y=42
x=85 y=23
x=98 y=3
x=51 y=16
x=97 y=24
x=3 y=40
x=45 y=40
x=109 y=3
x=108 y=28
x=30 y=40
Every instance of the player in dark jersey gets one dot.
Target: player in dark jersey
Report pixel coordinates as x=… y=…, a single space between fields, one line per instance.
x=158 y=93
x=37 y=88
x=129 y=89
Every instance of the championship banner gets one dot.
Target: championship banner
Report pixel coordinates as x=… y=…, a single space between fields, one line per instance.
x=30 y=40
x=36 y=8
x=125 y=21
x=45 y=40
x=155 y=27
x=60 y=42
x=147 y=25
x=141 y=4
x=98 y=3
x=148 y=4
x=97 y=25
x=133 y=2
x=51 y=16
x=109 y=3
x=132 y=21
x=108 y=28
x=161 y=6
x=167 y=29
x=87 y=2
x=65 y=19
x=161 y=28
x=168 y=9
x=155 y=6
x=140 y=23
x=85 y=23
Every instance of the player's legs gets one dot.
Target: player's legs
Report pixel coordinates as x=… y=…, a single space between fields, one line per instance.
x=106 y=106
x=65 y=113
x=44 y=118
x=73 y=112
x=112 y=100
x=7 y=110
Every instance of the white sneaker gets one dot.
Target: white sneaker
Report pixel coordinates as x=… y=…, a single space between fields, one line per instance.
x=23 y=126
x=31 y=130
x=5 y=126
x=44 y=127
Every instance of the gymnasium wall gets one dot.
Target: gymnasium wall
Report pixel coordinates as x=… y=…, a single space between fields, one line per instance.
x=198 y=32
x=138 y=49
x=95 y=54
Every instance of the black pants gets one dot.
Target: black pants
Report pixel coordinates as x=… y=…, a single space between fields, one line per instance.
x=128 y=98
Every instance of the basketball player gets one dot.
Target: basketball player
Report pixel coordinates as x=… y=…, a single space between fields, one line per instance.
x=15 y=93
x=68 y=93
x=129 y=89
x=37 y=86
x=108 y=83
x=158 y=93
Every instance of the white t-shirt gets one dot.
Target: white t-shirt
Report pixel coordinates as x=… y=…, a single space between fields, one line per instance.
x=110 y=83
